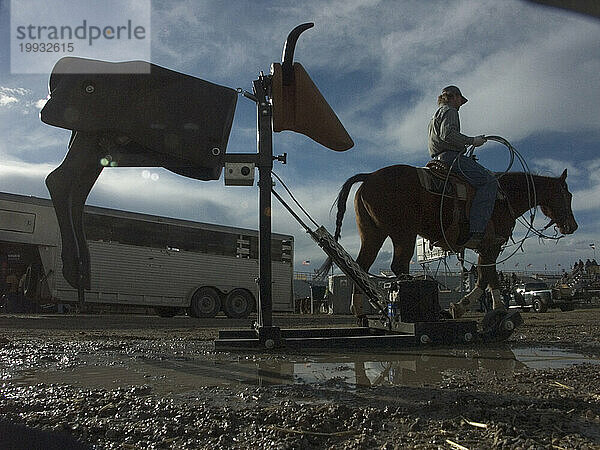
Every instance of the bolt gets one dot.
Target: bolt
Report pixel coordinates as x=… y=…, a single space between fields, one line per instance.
x=425 y=339
x=468 y=337
x=269 y=343
x=509 y=325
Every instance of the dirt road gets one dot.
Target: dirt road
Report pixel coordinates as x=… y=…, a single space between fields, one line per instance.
x=148 y=382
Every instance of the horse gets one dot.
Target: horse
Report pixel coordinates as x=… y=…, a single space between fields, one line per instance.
x=392 y=202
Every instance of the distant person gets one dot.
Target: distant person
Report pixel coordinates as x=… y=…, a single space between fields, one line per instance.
x=472 y=276
x=11 y=298
x=12 y=283
x=21 y=288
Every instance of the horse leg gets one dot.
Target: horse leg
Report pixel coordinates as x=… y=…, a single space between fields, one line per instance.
x=488 y=275
x=404 y=246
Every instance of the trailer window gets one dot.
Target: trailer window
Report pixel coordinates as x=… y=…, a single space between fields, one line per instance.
x=160 y=235
x=204 y=241
x=125 y=231
x=281 y=250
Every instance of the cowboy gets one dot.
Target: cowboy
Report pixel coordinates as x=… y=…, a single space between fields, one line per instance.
x=448 y=144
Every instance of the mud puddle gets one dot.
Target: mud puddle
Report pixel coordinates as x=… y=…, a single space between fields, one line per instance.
x=179 y=375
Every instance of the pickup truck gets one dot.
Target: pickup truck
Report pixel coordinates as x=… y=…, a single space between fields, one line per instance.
x=537 y=295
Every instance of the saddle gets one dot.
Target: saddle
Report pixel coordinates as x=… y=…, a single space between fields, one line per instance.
x=434 y=178
x=455 y=189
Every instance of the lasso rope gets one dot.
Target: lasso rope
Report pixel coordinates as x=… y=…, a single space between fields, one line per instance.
x=531 y=196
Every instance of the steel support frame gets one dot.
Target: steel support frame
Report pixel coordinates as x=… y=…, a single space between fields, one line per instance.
x=268 y=335
x=265 y=334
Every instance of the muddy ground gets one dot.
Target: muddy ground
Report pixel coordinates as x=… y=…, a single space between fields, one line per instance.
x=146 y=382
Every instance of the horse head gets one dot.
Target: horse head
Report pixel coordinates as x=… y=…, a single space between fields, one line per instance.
x=557 y=206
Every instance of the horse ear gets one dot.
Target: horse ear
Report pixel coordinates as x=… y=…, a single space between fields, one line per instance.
x=564 y=175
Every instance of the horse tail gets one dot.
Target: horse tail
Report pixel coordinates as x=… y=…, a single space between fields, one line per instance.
x=341 y=200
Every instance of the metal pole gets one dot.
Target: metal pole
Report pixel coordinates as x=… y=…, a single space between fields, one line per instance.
x=268 y=335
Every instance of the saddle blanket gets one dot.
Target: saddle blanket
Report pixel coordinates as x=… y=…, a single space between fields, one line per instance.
x=439 y=184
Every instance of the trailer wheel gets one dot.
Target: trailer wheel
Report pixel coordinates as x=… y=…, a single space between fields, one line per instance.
x=206 y=302
x=539 y=306
x=238 y=304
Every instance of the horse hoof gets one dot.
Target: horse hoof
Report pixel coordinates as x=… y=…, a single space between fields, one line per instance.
x=457 y=310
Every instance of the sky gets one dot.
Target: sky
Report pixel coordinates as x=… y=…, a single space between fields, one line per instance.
x=531 y=74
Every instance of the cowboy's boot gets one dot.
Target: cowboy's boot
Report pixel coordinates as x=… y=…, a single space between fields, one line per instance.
x=473 y=241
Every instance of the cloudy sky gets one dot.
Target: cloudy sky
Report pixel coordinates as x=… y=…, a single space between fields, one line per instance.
x=532 y=75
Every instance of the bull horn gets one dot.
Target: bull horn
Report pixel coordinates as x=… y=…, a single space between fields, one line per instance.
x=287 y=58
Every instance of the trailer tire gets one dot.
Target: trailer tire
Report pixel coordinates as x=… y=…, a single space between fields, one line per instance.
x=239 y=303
x=206 y=302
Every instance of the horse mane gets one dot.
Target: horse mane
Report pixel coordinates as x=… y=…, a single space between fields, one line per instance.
x=522 y=195
x=510 y=178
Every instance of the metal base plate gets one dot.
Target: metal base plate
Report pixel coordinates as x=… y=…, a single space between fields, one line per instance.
x=375 y=336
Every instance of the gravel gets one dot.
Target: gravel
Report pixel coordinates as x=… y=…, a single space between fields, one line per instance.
x=57 y=379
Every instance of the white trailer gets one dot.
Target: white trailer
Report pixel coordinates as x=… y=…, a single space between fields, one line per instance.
x=145 y=260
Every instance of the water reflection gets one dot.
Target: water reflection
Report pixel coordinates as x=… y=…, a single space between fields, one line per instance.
x=178 y=375
x=409 y=369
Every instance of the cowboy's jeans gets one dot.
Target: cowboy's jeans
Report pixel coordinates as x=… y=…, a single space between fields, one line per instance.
x=482 y=180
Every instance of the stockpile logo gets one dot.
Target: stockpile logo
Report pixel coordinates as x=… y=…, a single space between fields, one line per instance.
x=42 y=32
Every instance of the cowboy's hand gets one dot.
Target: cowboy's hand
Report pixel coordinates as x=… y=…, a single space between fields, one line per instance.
x=479 y=140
